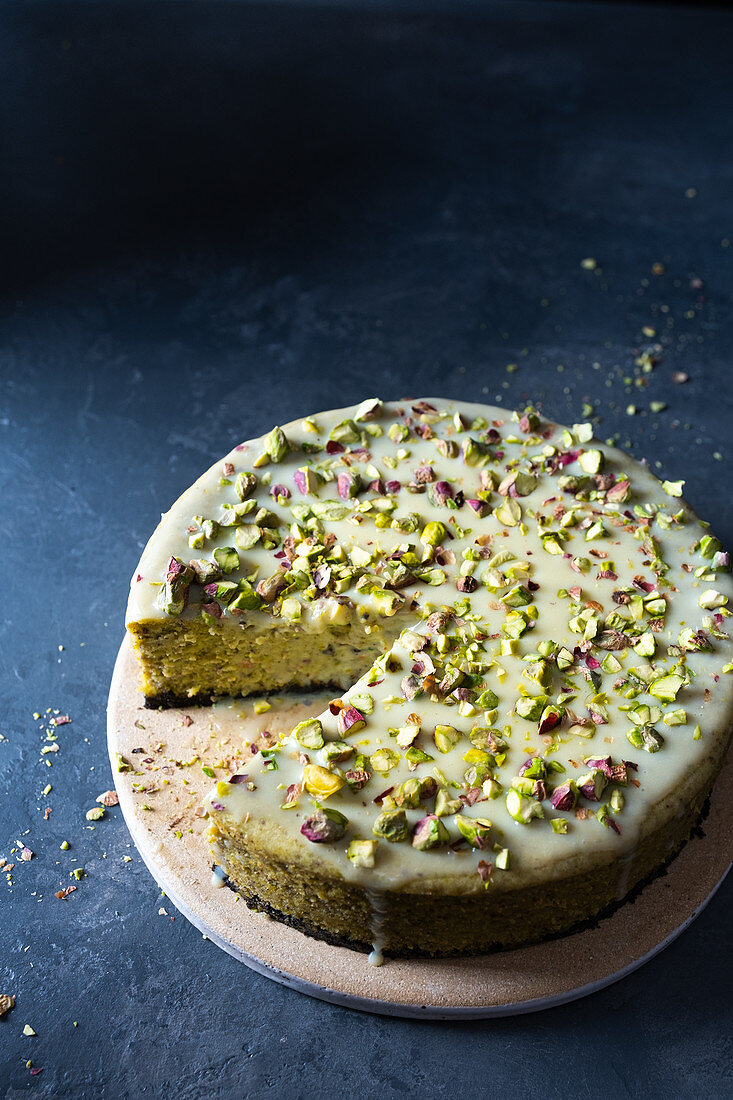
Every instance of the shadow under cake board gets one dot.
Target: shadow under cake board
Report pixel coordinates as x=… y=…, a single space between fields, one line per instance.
x=165 y=803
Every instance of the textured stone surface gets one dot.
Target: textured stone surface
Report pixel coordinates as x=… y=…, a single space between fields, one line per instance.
x=221 y=215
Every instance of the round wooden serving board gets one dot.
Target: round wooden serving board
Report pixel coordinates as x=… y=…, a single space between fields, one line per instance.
x=160 y=799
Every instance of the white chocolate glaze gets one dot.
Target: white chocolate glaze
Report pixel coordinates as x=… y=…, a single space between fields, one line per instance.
x=620 y=547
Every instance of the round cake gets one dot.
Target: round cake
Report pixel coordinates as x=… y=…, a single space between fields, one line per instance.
x=525 y=634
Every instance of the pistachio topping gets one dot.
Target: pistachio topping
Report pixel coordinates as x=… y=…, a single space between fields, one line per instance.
x=544 y=606
x=324 y=826
x=391 y=825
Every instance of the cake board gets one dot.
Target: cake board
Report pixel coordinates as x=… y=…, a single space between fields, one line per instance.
x=160 y=798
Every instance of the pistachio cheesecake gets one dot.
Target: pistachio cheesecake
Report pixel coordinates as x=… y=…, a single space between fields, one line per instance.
x=527 y=632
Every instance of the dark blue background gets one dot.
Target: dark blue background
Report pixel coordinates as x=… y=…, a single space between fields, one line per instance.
x=220 y=215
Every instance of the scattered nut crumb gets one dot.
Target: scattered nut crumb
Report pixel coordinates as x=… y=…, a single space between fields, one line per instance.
x=109 y=798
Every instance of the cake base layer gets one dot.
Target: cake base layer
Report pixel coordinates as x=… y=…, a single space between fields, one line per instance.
x=188 y=662
x=259 y=906
x=504 y=983
x=445 y=924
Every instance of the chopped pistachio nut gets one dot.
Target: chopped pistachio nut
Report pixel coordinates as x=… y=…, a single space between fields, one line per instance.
x=522 y=808
x=277 y=445
x=710 y=599
x=226 y=558
x=446 y=737
x=362 y=853
x=475 y=830
x=434 y=533
x=591 y=461
x=321 y=782
x=430 y=832
x=324 y=826
x=309 y=734
x=666 y=688
x=391 y=825
x=445 y=806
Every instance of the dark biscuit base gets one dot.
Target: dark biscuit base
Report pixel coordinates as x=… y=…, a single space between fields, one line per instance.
x=167 y=700
x=258 y=905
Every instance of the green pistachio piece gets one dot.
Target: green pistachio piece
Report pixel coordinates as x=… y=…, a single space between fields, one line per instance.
x=666 y=688
x=307 y=480
x=434 y=577
x=121 y=764
x=406 y=524
x=491 y=788
x=324 y=826
x=434 y=533
x=391 y=825
x=531 y=707
x=234 y=514
x=337 y=751
x=430 y=832
x=209 y=527
x=206 y=571
x=446 y=738
x=445 y=806
x=398 y=433
x=617 y=801
x=593 y=784
x=525 y=483
x=591 y=461
x=247 y=600
x=277 y=445
x=224 y=591
x=646 y=646
x=409 y=793
x=536 y=769
x=330 y=511
x=271 y=587
x=291 y=610
x=673 y=488
x=559 y=825
x=484 y=737
x=362 y=853
x=521 y=808
x=387 y=603
x=369 y=409
x=519 y=596
x=245 y=485
x=509 y=512
x=309 y=734
x=345 y=432
x=710 y=599
x=383 y=760
x=226 y=558
x=676 y=718
x=474 y=829
x=363 y=701
x=709 y=546
x=645 y=737
x=247 y=536
x=476 y=774
x=415 y=756
x=174 y=594
x=447 y=447
x=501 y=860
